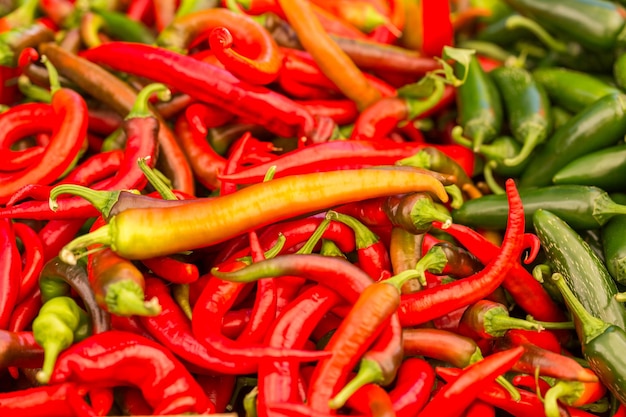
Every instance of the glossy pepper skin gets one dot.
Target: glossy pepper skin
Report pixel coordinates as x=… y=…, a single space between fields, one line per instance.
x=584 y=272
x=603 y=168
x=599 y=125
x=614 y=244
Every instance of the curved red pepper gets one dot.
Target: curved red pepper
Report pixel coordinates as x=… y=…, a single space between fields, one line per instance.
x=33 y=259
x=10 y=272
x=415 y=380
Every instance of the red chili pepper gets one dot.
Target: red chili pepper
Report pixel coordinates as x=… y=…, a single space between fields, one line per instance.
x=456 y=396
x=231 y=165
x=211 y=84
x=480 y=409
x=434 y=302
x=32 y=259
x=132 y=402
x=70 y=109
x=277 y=379
x=342 y=112
x=57 y=233
x=459 y=351
x=57 y=400
x=460 y=263
x=10 y=272
x=531 y=382
x=19 y=349
x=414 y=383
x=544 y=340
x=528 y=293
x=219 y=389
x=437 y=30
x=101 y=399
x=372 y=399
x=25 y=312
x=106 y=359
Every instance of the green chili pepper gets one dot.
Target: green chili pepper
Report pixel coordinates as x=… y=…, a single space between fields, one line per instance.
x=614 y=243
x=121 y=27
x=573 y=90
x=560 y=116
x=527 y=109
x=597 y=25
x=479 y=105
x=619 y=70
x=599 y=125
x=605 y=168
x=581 y=206
x=584 y=272
x=603 y=344
x=55 y=328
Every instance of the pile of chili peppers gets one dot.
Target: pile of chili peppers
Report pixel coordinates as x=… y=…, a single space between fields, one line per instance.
x=313 y=208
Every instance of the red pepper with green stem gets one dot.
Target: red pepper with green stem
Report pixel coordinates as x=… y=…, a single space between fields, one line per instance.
x=277 y=379
x=425 y=305
x=526 y=291
x=65 y=143
x=460 y=262
x=249 y=208
x=456 y=396
x=571 y=393
x=372 y=400
x=10 y=272
x=106 y=358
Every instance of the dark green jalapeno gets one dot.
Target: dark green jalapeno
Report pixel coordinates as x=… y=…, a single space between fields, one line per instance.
x=597 y=126
x=597 y=25
x=573 y=90
x=581 y=206
x=584 y=272
x=479 y=106
x=605 y=169
x=603 y=344
x=121 y=27
x=527 y=109
x=614 y=243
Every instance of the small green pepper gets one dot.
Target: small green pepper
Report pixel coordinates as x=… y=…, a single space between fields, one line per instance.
x=605 y=169
x=60 y=323
x=603 y=344
x=614 y=243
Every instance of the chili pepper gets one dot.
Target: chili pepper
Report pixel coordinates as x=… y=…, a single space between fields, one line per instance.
x=119 y=26
x=496 y=152
x=599 y=339
x=595 y=25
x=108 y=89
x=379 y=365
x=19 y=349
x=414 y=382
x=340 y=111
x=430 y=303
x=527 y=109
x=526 y=291
x=371 y=252
x=584 y=272
x=437 y=31
x=479 y=105
x=165 y=383
x=24 y=312
x=404 y=250
x=59 y=323
x=360 y=14
x=572 y=393
x=215 y=86
x=571 y=89
x=460 y=262
x=172 y=269
x=544 y=340
x=576 y=138
x=612 y=244
x=65 y=143
x=372 y=399
x=11 y=272
x=54 y=400
x=57 y=278
x=480 y=408
x=101 y=399
x=329 y=55
x=57 y=233
x=32 y=258
x=597 y=168
x=455 y=396
x=279 y=202
x=290 y=330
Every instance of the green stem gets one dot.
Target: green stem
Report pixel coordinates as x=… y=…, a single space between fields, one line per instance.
x=530 y=143
x=114 y=141
x=141 y=106
x=517 y=21
x=564 y=391
x=32 y=91
x=155 y=180
x=591 y=326
x=509 y=387
x=315 y=237
x=498 y=324
x=541 y=272
x=53 y=75
x=369 y=372
x=552 y=325
x=250 y=401
x=270 y=253
x=70 y=252
x=433 y=261
x=488 y=49
x=102 y=200
x=401 y=278
x=421 y=159
x=417 y=107
x=126 y=298
x=90 y=26
x=424 y=212
x=364 y=237
x=180 y=292
x=493 y=185
x=457 y=136
x=456 y=196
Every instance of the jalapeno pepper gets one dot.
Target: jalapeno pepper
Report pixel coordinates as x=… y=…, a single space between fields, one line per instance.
x=602 y=342
x=527 y=109
x=603 y=168
x=584 y=272
x=613 y=244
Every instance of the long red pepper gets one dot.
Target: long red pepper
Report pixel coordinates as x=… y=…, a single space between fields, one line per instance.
x=456 y=396
x=32 y=258
x=415 y=380
x=71 y=110
x=277 y=379
x=10 y=272
x=372 y=399
x=212 y=85
x=526 y=291
x=430 y=303
x=107 y=358
x=58 y=400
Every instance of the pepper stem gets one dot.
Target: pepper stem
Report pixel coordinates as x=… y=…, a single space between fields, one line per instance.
x=490 y=179
x=509 y=387
x=69 y=253
x=552 y=325
x=457 y=136
x=401 y=278
x=330 y=248
x=563 y=391
x=604 y=208
x=424 y=212
x=433 y=261
x=141 y=108
x=315 y=237
x=421 y=159
x=126 y=298
x=456 y=196
x=369 y=372
x=364 y=237
x=516 y=21
x=103 y=201
x=530 y=143
x=498 y=323
x=53 y=75
x=417 y=107
x=591 y=326
x=155 y=179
